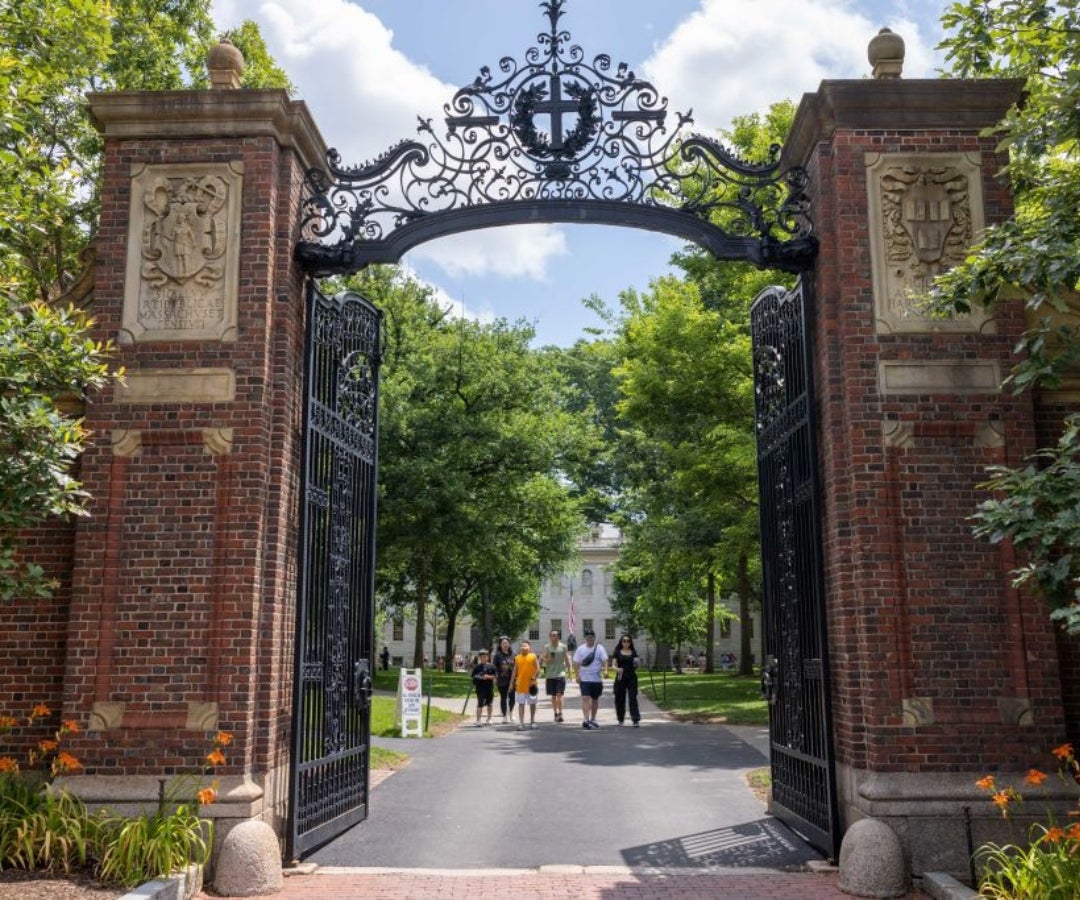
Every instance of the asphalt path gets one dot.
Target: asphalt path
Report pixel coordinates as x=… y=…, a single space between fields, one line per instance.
x=667 y=794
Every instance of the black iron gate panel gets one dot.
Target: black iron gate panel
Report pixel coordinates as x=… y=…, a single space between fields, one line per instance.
x=335 y=618
x=795 y=672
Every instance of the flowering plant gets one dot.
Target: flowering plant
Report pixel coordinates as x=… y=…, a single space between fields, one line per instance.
x=1048 y=867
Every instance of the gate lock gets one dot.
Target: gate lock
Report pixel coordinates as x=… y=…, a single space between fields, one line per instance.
x=362 y=686
x=770 y=679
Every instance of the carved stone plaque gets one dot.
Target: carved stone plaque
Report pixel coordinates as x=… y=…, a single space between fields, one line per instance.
x=183 y=252
x=926 y=209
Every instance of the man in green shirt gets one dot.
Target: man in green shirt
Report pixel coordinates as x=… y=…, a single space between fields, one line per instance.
x=554 y=658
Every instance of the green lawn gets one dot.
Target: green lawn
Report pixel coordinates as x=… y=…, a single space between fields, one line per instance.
x=441 y=684
x=382 y=719
x=724 y=697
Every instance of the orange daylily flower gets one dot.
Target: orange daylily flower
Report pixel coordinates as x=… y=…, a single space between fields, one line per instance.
x=7 y=764
x=65 y=762
x=1054 y=834
x=215 y=757
x=986 y=784
x=206 y=796
x=1073 y=831
x=1064 y=752
x=223 y=738
x=1034 y=777
x=48 y=746
x=8 y=722
x=1002 y=799
x=69 y=727
x=39 y=711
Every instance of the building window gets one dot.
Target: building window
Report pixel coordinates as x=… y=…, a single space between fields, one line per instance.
x=534 y=632
x=556 y=625
x=725 y=627
x=609 y=629
x=399 y=630
x=586 y=625
x=586 y=581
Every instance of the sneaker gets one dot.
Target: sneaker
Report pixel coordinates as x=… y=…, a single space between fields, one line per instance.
x=586 y=724
x=558 y=719
x=521 y=727
x=619 y=722
x=637 y=724
x=532 y=725
x=595 y=724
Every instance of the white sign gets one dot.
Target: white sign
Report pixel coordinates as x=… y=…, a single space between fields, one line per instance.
x=410 y=701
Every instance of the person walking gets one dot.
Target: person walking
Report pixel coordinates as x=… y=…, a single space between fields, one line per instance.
x=526 y=674
x=626 y=660
x=384 y=658
x=556 y=658
x=504 y=666
x=590 y=670
x=483 y=679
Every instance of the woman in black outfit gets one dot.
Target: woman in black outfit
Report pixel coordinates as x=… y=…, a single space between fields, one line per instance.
x=503 y=660
x=626 y=661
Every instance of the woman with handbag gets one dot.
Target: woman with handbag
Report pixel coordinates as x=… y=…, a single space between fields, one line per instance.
x=503 y=660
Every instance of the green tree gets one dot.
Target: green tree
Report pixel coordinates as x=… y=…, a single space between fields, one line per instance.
x=473 y=509
x=1035 y=256
x=44 y=358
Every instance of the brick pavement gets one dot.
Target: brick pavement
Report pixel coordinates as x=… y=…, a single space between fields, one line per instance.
x=560 y=883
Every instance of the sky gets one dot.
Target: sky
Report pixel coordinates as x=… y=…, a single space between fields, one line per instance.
x=368 y=68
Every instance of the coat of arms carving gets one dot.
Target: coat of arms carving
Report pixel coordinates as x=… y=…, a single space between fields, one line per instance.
x=926 y=211
x=182 y=285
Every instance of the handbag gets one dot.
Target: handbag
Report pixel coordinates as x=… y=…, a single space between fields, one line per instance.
x=533 y=690
x=588 y=660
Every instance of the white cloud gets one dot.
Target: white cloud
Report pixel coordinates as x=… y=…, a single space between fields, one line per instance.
x=732 y=57
x=522 y=251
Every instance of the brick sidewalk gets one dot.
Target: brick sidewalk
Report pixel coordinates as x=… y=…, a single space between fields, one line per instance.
x=559 y=883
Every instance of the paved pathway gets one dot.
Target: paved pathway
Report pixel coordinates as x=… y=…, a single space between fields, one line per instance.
x=463 y=819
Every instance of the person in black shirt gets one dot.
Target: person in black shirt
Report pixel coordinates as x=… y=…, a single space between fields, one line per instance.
x=626 y=660
x=504 y=665
x=483 y=679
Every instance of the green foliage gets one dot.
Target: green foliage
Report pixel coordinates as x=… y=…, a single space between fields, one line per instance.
x=43 y=829
x=1037 y=506
x=140 y=848
x=473 y=510
x=1041 y=870
x=45 y=356
x=1034 y=256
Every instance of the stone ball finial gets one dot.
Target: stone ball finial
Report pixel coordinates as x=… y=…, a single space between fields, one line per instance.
x=886 y=54
x=225 y=63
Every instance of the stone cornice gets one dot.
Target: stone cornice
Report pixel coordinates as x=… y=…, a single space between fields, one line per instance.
x=140 y=115
x=897 y=104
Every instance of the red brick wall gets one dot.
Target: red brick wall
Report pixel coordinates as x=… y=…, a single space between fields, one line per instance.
x=184 y=573
x=917 y=608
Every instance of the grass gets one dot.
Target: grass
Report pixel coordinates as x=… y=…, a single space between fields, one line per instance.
x=441 y=684
x=724 y=698
x=382 y=719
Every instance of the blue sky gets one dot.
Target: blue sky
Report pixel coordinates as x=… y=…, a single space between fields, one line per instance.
x=368 y=68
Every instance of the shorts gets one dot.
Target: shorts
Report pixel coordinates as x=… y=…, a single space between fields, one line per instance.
x=525 y=698
x=554 y=687
x=592 y=688
x=484 y=695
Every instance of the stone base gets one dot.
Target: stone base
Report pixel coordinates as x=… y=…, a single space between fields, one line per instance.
x=941 y=818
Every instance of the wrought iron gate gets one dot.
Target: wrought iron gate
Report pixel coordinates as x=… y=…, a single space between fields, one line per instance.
x=795 y=673
x=335 y=620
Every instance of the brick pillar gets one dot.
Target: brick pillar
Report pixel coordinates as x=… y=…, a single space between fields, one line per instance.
x=182 y=609
x=941 y=672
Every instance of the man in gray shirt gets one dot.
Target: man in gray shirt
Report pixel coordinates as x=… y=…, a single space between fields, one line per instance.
x=555 y=659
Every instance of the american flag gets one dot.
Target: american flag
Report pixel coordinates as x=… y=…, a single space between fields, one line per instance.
x=571 y=617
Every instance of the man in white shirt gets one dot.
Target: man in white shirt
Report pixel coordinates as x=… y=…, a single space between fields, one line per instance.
x=590 y=670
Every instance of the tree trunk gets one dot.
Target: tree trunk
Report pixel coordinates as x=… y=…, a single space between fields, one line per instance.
x=421 y=622
x=710 y=622
x=742 y=586
x=451 y=625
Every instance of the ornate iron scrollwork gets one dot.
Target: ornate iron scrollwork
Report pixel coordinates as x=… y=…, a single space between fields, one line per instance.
x=607 y=156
